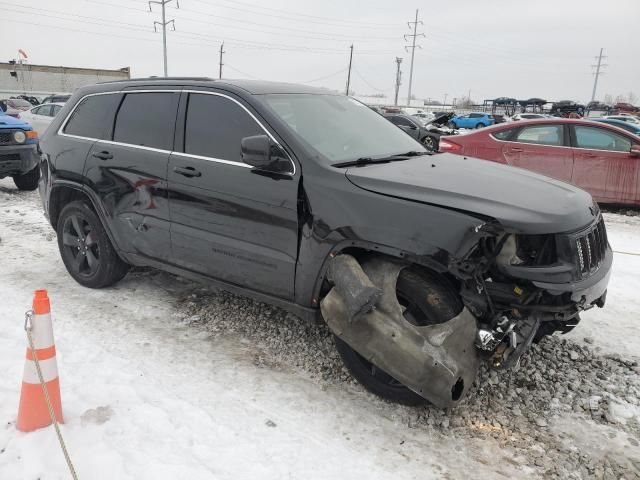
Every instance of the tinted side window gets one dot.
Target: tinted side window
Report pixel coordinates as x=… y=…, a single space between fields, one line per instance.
x=542 y=135
x=147 y=119
x=402 y=121
x=503 y=135
x=55 y=109
x=475 y=115
x=93 y=116
x=215 y=126
x=599 y=139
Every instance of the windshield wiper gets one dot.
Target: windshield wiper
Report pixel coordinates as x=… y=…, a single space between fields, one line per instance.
x=371 y=160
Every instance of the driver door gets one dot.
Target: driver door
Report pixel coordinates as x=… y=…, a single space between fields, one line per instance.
x=229 y=221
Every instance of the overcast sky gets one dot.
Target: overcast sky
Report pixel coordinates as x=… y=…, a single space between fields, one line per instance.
x=541 y=48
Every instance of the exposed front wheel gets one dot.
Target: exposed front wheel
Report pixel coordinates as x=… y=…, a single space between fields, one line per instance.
x=425 y=300
x=28 y=181
x=430 y=144
x=85 y=248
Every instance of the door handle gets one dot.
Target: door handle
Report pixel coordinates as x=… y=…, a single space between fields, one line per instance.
x=103 y=155
x=187 y=172
x=515 y=149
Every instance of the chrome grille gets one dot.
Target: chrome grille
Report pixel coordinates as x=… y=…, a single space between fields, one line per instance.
x=591 y=247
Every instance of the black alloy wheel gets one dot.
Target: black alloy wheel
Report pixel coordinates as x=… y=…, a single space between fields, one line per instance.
x=86 y=249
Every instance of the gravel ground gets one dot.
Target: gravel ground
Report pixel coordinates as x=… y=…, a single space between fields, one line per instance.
x=558 y=380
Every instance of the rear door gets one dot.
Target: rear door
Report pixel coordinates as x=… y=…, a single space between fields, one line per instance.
x=603 y=164
x=128 y=171
x=230 y=221
x=541 y=148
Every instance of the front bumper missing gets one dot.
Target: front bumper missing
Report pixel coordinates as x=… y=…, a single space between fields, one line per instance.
x=438 y=362
x=587 y=291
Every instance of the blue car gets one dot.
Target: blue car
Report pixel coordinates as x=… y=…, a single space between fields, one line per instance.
x=630 y=127
x=472 y=120
x=18 y=152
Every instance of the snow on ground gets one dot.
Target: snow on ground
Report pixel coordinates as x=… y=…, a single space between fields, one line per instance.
x=147 y=394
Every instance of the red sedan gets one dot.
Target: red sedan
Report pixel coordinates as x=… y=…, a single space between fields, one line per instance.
x=602 y=159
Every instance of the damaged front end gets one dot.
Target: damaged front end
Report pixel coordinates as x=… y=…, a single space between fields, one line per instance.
x=522 y=287
x=515 y=289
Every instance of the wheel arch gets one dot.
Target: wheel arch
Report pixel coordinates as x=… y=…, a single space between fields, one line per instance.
x=63 y=193
x=364 y=249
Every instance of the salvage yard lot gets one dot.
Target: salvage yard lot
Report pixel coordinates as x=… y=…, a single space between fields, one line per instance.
x=164 y=378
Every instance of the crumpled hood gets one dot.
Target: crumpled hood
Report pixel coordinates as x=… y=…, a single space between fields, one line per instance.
x=521 y=200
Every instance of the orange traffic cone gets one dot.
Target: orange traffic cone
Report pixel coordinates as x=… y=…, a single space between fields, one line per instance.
x=33 y=412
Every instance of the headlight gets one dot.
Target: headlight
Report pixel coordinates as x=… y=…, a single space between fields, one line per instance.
x=19 y=136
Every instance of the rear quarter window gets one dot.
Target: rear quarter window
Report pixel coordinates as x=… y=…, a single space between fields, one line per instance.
x=503 y=134
x=93 y=116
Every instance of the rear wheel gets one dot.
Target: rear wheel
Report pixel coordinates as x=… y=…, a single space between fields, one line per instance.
x=480 y=125
x=28 y=181
x=426 y=300
x=86 y=249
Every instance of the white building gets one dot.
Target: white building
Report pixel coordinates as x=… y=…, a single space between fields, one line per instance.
x=43 y=80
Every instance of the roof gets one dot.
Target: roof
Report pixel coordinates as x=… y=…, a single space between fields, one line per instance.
x=254 y=87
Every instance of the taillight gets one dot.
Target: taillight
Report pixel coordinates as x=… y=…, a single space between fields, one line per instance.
x=448 y=146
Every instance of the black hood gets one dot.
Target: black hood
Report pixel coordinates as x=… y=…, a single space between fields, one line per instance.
x=521 y=200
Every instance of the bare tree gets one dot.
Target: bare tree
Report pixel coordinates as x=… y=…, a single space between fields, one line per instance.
x=632 y=98
x=608 y=99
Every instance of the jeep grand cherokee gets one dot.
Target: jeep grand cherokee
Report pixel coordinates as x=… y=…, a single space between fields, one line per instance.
x=421 y=265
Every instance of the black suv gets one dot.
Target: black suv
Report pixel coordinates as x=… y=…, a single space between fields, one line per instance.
x=422 y=266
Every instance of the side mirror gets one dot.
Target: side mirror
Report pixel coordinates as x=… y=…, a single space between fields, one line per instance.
x=265 y=155
x=635 y=151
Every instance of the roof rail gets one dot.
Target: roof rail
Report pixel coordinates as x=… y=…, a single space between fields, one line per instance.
x=146 y=79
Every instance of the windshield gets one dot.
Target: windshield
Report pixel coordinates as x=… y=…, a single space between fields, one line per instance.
x=340 y=128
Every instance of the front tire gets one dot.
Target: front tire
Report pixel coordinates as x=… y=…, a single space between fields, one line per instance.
x=28 y=181
x=85 y=247
x=430 y=143
x=427 y=299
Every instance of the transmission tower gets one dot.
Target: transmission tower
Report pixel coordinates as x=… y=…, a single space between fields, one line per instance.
x=597 y=73
x=414 y=26
x=163 y=24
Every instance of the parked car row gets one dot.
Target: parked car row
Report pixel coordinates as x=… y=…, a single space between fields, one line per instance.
x=595 y=155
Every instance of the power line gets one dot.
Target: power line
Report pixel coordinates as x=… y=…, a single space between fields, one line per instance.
x=597 y=73
x=413 y=46
x=361 y=77
x=188 y=35
x=325 y=77
x=288 y=14
x=163 y=24
x=240 y=71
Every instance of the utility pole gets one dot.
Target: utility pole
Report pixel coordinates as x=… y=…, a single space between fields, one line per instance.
x=163 y=24
x=349 y=73
x=413 y=46
x=597 y=73
x=445 y=100
x=398 y=79
x=221 y=52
